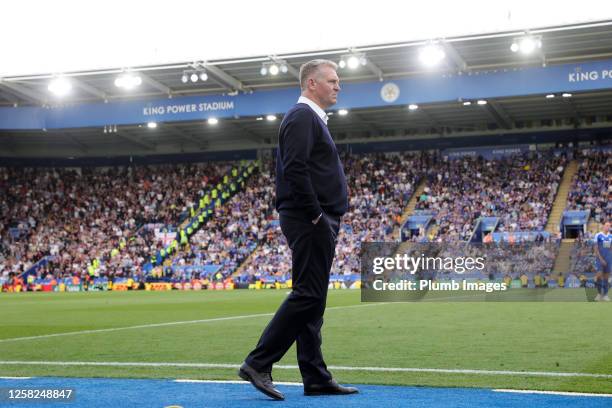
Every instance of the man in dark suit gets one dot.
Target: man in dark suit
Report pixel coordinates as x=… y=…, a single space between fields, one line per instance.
x=311 y=196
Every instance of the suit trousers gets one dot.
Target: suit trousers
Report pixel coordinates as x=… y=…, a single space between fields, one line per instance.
x=300 y=316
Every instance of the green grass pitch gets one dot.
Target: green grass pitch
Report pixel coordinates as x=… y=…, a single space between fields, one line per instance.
x=544 y=337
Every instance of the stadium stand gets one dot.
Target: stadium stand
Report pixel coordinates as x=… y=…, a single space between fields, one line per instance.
x=84 y=217
x=231 y=235
x=111 y=222
x=519 y=189
x=592 y=187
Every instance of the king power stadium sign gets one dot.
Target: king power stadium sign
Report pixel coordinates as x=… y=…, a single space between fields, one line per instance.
x=187 y=108
x=432 y=87
x=595 y=75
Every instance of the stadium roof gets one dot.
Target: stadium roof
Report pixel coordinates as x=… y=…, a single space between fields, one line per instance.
x=467 y=54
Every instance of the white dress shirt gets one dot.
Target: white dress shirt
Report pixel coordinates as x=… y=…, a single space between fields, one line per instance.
x=320 y=112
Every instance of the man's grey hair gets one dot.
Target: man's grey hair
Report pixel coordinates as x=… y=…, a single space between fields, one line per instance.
x=310 y=67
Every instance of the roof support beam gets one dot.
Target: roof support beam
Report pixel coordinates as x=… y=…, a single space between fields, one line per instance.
x=249 y=134
x=225 y=79
x=10 y=97
x=82 y=147
x=498 y=114
x=124 y=134
x=432 y=122
x=9 y=143
x=155 y=84
x=89 y=89
x=25 y=93
x=202 y=144
x=358 y=119
x=454 y=56
x=375 y=70
x=569 y=107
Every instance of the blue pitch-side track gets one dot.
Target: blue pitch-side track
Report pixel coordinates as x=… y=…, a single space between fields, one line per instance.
x=96 y=392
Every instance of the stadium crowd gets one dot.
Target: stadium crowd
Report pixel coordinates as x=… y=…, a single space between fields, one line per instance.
x=592 y=185
x=232 y=234
x=77 y=215
x=520 y=189
x=72 y=216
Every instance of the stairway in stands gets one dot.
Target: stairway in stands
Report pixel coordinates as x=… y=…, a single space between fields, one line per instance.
x=562 y=261
x=411 y=206
x=554 y=218
x=245 y=263
x=227 y=189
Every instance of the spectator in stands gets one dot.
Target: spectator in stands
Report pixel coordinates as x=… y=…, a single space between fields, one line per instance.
x=592 y=185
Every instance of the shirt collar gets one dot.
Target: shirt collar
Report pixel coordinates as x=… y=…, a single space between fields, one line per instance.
x=320 y=112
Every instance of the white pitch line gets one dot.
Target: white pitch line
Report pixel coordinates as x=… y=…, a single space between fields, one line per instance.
x=186 y=380
x=15 y=378
x=293 y=367
x=147 y=326
x=564 y=393
x=469 y=371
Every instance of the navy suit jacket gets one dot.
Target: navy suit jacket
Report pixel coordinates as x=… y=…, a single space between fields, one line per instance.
x=309 y=174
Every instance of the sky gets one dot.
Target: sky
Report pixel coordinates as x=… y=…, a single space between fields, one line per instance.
x=59 y=36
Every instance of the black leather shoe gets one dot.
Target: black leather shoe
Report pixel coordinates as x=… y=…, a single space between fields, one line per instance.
x=261 y=381
x=330 y=388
